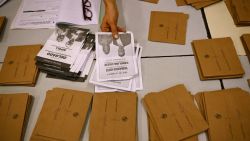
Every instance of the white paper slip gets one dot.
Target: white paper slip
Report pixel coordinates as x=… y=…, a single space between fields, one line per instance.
x=84 y=53
x=102 y=89
x=34 y=14
x=115 y=62
x=125 y=85
x=86 y=69
x=138 y=78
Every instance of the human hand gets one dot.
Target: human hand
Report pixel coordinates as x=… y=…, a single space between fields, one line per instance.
x=109 y=21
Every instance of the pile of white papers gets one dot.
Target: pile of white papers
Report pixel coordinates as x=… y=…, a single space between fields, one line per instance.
x=118 y=63
x=68 y=53
x=33 y=14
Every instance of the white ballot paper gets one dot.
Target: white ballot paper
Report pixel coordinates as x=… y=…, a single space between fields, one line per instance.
x=33 y=14
x=84 y=54
x=132 y=84
x=64 y=45
x=125 y=85
x=116 y=59
x=86 y=69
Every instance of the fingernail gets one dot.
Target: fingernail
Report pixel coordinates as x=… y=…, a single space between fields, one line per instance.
x=116 y=36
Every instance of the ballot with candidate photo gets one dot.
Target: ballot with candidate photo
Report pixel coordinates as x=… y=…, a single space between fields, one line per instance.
x=116 y=59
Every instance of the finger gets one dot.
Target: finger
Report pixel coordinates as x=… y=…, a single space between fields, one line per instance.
x=120 y=29
x=114 y=31
x=104 y=27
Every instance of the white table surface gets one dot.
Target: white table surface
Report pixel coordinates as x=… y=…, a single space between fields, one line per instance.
x=221 y=24
x=240 y=82
x=134 y=15
x=158 y=74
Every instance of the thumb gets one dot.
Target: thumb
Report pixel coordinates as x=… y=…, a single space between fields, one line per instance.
x=114 y=31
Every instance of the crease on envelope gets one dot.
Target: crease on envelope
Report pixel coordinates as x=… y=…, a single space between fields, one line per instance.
x=174 y=118
x=153 y=136
x=221 y=24
x=19 y=65
x=113 y=117
x=13 y=115
x=63 y=115
x=169 y=27
x=245 y=38
x=227 y=113
x=217 y=58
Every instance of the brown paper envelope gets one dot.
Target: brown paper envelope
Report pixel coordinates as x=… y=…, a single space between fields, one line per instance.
x=154 y=137
x=2 y=23
x=214 y=77
x=217 y=57
x=242 y=10
x=203 y=4
x=172 y=120
x=228 y=114
x=246 y=44
x=232 y=9
x=25 y=83
x=169 y=27
x=248 y=82
x=19 y=65
x=62 y=116
x=181 y=2
x=192 y=1
x=13 y=109
x=151 y=1
x=113 y=117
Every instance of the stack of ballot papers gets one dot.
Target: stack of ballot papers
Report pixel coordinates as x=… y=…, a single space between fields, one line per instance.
x=68 y=53
x=217 y=59
x=227 y=113
x=168 y=27
x=14 y=112
x=173 y=115
x=197 y=4
x=118 y=63
x=240 y=11
x=245 y=38
x=19 y=66
x=63 y=115
x=113 y=117
x=2 y=23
